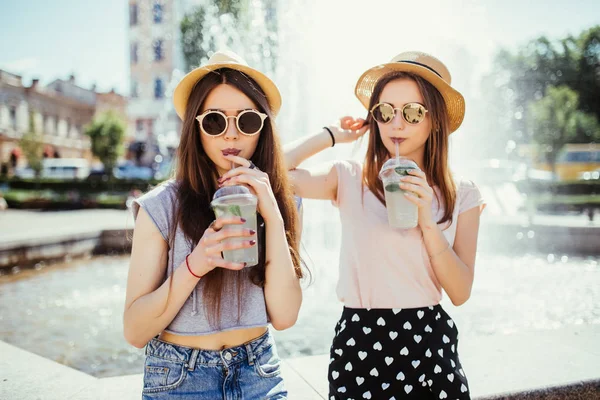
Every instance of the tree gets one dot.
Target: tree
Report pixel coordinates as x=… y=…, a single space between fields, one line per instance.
x=192 y=37
x=32 y=145
x=556 y=121
x=106 y=132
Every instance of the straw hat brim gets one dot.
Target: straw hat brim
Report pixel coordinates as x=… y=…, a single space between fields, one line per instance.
x=455 y=102
x=183 y=90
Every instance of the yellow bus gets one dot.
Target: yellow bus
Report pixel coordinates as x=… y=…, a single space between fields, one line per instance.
x=573 y=161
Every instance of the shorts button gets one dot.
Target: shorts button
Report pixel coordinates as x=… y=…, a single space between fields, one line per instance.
x=227 y=356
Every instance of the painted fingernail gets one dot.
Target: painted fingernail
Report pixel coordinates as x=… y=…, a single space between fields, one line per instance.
x=243 y=219
x=252 y=242
x=252 y=231
x=244 y=264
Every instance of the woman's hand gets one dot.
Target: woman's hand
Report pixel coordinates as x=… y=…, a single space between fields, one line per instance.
x=349 y=129
x=258 y=181
x=416 y=182
x=206 y=256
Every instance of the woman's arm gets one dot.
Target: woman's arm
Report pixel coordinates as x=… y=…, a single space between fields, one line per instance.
x=150 y=305
x=455 y=266
x=319 y=182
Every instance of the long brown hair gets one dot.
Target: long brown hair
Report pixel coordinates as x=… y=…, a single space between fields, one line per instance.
x=436 y=147
x=196 y=176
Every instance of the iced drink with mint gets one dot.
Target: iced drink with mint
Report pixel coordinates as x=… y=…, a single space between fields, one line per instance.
x=401 y=212
x=237 y=201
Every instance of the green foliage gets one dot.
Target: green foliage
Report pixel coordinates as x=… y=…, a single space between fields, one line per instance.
x=32 y=145
x=556 y=120
x=107 y=132
x=525 y=76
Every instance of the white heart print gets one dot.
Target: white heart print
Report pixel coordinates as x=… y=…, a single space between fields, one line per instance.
x=441 y=352
x=389 y=360
x=342 y=389
x=446 y=339
x=430 y=382
x=396 y=310
x=407 y=326
x=400 y=376
x=428 y=329
x=393 y=335
x=417 y=338
x=374 y=372
x=428 y=353
x=381 y=321
x=404 y=351
x=377 y=346
x=450 y=377
x=351 y=342
x=443 y=395
x=366 y=330
x=463 y=388
x=366 y=395
x=335 y=375
x=408 y=388
x=360 y=380
x=416 y=363
x=450 y=323
x=355 y=318
x=384 y=386
x=437 y=369
x=339 y=352
x=420 y=314
x=362 y=355
x=348 y=367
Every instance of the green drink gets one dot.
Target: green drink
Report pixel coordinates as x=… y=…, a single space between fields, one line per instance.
x=237 y=201
x=401 y=212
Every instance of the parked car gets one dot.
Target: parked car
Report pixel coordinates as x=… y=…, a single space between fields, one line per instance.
x=129 y=170
x=58 y=168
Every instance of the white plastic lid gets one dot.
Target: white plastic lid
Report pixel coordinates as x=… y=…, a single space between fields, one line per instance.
x=396 y=162
x=231 y=190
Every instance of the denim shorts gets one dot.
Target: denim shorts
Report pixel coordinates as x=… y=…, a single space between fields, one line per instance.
x=249 y=371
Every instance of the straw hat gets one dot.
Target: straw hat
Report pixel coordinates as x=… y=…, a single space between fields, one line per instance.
x=224 y=59
x=427 y=67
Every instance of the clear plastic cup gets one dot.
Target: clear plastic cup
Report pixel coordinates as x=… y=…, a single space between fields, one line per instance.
x=401 y=212
x=238 y=201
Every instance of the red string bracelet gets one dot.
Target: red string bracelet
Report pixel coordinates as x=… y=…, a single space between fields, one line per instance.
x=189 y=269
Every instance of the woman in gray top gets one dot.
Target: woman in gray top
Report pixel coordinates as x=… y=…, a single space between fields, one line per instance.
x=204 y=320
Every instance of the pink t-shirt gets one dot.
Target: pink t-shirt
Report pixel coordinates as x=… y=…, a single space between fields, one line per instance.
x=382 y=267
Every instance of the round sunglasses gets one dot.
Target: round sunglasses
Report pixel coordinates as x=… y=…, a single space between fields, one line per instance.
x=412 y=113
x=215 y=123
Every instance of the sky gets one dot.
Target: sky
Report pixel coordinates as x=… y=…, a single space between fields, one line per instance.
x=50 y=40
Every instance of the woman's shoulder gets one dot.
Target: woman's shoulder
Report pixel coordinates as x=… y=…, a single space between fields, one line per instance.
x=349 y=166
x=468 y=194
x=160 y=197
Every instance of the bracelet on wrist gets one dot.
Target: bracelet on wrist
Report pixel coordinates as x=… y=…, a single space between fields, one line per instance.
x=189 y=269
x=440 y=252
x=330 y=134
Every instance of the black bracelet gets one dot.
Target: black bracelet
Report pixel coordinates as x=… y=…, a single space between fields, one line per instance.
x=330 y=134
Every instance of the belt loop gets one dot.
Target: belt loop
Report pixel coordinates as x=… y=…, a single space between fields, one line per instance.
x=192 y=360
x=250 y=354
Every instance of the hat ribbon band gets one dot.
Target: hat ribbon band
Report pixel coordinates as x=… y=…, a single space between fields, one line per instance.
x=421 y=65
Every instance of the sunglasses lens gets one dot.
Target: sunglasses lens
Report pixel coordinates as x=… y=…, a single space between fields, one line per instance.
x=249 y=123
x=413 y=113
x=383 y=113
x=214 y=123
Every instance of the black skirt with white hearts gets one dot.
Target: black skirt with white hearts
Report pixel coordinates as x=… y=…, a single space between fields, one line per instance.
x=396 y=354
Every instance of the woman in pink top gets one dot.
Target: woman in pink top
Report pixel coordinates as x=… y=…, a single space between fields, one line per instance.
x=393 y=339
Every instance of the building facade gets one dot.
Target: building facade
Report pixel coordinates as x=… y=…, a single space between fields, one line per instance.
x=58 y=112
x=156 y=64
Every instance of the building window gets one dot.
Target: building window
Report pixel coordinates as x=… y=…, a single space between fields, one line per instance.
x=157 y=11
x=134 y=53
x=134 y=89
x=158 y=50
x=133 y=14
x=158 y=88
x=13 y=117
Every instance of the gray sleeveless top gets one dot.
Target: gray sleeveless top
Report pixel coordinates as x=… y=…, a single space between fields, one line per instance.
x=192 y=318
